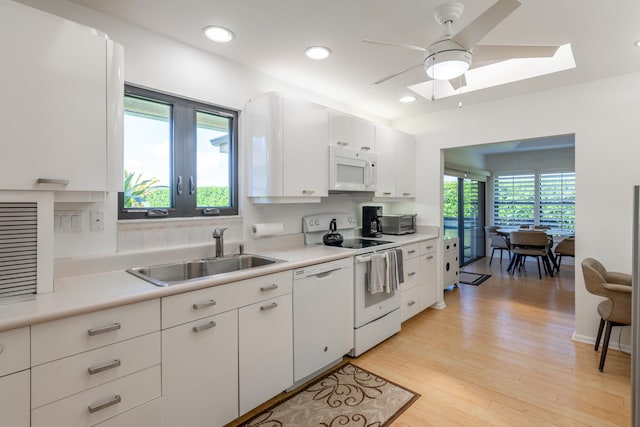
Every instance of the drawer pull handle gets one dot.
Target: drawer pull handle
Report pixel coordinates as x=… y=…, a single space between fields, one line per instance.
x=412 y=251
x=53 y=181
x=406 y=194
x=268 y=307
x=387 y=193
x=268 y=288
x=1 y=348
x=430 y=247
x=104 y=329
x=308 y=191
x=430 y=257
x=110 y=402
x=204 y=327
x=365 y=148
x=104 y=367
x=413 y=273
x=209 y=303
x=342 y=143
x=410 y=303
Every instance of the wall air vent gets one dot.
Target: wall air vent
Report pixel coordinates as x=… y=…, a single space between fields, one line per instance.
x=18 y=251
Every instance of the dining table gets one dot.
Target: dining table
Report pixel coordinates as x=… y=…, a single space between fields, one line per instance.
x=551 y=232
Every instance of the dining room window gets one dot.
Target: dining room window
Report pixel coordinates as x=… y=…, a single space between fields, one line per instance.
x=535 y=198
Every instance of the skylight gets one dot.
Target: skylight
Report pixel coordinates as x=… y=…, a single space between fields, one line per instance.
x=500 y=73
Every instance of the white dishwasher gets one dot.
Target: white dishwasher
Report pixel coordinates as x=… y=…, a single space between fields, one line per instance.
x=322 y=316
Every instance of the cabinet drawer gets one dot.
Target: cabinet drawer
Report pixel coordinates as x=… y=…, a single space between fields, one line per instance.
x=73 y=335
x=100 y=403
x=64 y=377
x=412 y=273
x=14 y=350
x=14 y=400
x=429 y=246
x=147 y=415
x=411 y=303
x=410 y=251
x=189 y=306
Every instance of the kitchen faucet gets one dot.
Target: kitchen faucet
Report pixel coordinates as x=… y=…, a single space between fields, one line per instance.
x=218 y=234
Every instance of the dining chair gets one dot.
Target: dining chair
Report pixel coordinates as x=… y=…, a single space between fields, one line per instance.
x=567 y=247
x=497 y=242
x=529 y=243
x=616 y=309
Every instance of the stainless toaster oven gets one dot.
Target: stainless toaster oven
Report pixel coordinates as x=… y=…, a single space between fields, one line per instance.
x=399 y=224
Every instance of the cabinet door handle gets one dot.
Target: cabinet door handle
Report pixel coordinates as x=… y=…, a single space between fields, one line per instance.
x=1 y=348
x=412 y=251
x=342 y=143
x=410 y=303
x=413 y=273
x=386 y=193
x=269 y=306
x=430 y=257
x=406 y=194
x=95 y=407
x=308 y=191
x=209 y=303
x=104 y=367
x=53 y=181
x=430 y=247
x=365 y=148
x=268 y=287
x=206 y=326
x=103 y=330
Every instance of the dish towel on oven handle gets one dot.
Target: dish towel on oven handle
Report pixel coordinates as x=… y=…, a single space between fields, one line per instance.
x=378 y=273
x=400 y=265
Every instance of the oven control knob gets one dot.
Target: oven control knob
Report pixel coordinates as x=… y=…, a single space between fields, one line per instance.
x=317 y=222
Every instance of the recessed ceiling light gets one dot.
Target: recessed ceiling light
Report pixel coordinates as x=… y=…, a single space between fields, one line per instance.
x=637 y=43
x=407 y=99
x=317 y=52
x=218 y=34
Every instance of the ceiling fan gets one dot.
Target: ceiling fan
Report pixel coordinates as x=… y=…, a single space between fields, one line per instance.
x=450 y=56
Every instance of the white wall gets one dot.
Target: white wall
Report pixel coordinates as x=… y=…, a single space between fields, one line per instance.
x=603 y=115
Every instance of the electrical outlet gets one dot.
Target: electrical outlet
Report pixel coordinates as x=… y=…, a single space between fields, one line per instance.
x=97 y=220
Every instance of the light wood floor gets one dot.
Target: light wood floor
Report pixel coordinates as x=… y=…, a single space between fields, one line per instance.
x=501 y=354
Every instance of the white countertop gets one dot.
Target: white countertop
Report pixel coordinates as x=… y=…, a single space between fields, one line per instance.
x=85 y=293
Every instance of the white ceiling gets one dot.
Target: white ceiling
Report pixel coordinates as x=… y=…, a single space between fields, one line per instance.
x=271 y=36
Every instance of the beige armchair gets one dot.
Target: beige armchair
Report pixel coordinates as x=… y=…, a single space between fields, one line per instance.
x=616 y=309
x=566 y=247
x=497 y=242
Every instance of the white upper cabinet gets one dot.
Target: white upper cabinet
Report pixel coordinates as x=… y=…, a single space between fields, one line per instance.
x=396 y=163
x=351 y=132
x=56 y=85
x=289 y=158
x=406 y=165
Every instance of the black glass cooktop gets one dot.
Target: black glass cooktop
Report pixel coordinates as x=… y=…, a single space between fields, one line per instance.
x=362 y=243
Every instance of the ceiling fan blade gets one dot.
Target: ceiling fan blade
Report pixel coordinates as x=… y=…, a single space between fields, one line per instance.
x=470 y=35
x=482 y=53
x=458 y=82
x=384 y=79
x=407 y=46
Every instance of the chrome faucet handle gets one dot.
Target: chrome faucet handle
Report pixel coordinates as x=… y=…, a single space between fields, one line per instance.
x=218 y=232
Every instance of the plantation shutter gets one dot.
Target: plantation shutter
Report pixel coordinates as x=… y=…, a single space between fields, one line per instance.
x=18 y=249
x=514 y=200
x=558 y=200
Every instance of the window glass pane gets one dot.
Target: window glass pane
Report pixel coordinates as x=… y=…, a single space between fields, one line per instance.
x=450 y=208
x=514 y=199
x=147 y=154
x=213 y=157
x=558 y=200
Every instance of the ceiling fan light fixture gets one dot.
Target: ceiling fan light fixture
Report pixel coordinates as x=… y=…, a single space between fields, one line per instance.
x=448 y=64
x=218 y=34
x=317 y=52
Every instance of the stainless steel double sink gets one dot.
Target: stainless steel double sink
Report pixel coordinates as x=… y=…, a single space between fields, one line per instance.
x=180 y=272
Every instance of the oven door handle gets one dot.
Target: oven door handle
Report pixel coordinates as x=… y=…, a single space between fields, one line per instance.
x=363 y=258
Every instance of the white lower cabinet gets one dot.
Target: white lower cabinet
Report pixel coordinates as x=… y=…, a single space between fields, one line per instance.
x=430 y=261
x=265 y=350
x=100 y=403
x=199 y=371
x=147 y=415
x=14 y=399
x=420 y=289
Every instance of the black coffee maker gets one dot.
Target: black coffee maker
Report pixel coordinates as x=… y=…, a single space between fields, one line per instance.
x=372 y=221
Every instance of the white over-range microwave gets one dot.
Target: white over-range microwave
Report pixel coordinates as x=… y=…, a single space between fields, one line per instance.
x=351 y=170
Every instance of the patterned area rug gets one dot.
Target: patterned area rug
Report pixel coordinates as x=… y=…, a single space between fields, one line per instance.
x=472 y=278
x=348 y=396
